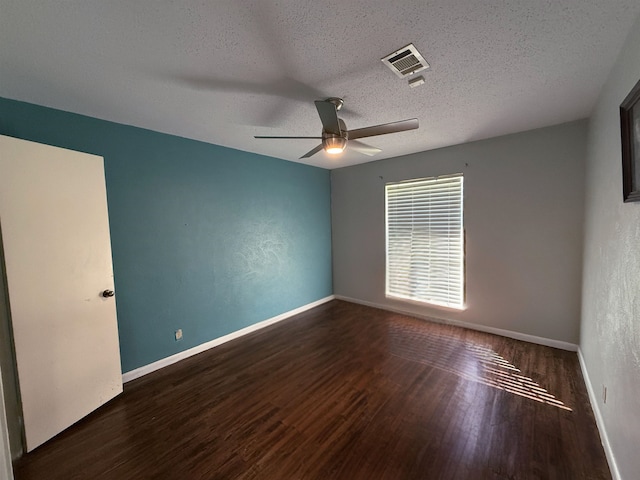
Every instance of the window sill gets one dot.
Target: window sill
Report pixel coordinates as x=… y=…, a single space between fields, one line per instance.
x=419 y=303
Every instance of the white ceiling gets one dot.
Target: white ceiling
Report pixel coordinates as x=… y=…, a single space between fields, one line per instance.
x=222 y=71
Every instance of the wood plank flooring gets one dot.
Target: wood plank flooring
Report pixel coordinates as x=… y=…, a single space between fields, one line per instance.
x=342 y=392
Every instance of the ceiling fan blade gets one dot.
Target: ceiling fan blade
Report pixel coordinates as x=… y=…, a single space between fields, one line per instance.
x=363 y=148
x=289 y=138
x=328 y=116
x=383 y=129
x=312 y=152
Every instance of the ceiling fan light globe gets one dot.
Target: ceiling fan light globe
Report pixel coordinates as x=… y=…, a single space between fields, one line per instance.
x=334 y=145
x=334 y=150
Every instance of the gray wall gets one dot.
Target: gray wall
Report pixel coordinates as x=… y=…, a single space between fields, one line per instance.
x=523 y=212
x=610 y=327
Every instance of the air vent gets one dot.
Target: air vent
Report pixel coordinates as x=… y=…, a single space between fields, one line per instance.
x=406 y=61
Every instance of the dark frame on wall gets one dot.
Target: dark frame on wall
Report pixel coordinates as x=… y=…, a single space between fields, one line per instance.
x=630 y=130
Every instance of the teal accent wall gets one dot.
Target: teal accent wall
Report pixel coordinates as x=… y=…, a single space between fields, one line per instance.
x=204 y=238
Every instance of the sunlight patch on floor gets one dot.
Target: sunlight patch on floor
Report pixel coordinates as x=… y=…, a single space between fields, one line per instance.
x=469 y=360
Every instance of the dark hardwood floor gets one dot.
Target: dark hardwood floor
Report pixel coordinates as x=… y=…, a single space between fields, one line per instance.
x=342 y=392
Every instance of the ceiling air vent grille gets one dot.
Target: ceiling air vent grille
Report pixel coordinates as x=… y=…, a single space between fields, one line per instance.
x=406 y=61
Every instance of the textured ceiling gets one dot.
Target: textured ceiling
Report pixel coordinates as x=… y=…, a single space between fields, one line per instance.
x=222 y=71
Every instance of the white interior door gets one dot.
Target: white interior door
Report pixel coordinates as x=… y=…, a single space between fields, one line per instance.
x=57 y=249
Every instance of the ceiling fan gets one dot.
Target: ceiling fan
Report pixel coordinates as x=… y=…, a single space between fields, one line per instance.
x=335 y=135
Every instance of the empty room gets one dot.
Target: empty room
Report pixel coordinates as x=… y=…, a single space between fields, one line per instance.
x=320 y=240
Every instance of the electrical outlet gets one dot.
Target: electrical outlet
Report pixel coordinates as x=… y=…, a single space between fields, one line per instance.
x=178 y=334
x=604 y=394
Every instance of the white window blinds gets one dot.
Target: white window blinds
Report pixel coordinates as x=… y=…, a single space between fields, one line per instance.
x=425 y=240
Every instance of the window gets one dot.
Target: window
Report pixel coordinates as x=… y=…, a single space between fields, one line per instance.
x=425 y=240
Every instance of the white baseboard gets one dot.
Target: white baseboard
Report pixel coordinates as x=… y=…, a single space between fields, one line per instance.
x=572 y=347
x=152 y=367
x=613 y=466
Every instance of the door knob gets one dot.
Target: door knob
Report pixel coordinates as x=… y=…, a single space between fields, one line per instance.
x=108 y=293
